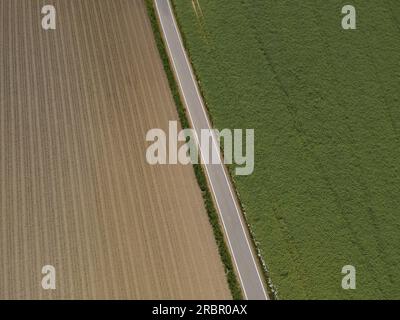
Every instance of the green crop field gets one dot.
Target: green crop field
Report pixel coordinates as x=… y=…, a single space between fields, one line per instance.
x=325 y=106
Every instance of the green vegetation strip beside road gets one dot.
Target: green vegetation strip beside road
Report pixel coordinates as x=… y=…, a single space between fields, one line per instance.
x=200 y=176
x=324 y=103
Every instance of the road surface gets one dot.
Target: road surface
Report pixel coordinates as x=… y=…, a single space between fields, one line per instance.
x=225 y=199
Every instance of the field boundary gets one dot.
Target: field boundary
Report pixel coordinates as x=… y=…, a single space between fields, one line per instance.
x=271 y=290
x=224 y=253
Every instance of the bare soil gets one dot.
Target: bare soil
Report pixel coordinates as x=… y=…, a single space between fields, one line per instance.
x=76 y=191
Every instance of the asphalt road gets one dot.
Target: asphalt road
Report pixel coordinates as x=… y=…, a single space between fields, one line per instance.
x=229 y=211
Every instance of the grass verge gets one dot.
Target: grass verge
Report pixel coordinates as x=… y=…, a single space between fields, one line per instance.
x=199 y=172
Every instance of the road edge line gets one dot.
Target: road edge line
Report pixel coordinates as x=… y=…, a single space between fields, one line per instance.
x=209 y=202
x=260 y=263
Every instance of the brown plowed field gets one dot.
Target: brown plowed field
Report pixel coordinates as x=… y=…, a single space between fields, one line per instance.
x=76 y=191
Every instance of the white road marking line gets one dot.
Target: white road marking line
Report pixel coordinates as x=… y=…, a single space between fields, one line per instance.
x=214 y=144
